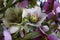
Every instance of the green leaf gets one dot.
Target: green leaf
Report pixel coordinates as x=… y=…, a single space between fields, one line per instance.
x=31 y=35
x=9 y=3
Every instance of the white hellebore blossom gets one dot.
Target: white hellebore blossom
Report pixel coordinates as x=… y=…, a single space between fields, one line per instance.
x=12 y=15
x=36 y=14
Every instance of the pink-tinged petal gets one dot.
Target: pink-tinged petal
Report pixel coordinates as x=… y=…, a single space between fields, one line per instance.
x=7 y=35
x=52 y=37
x=23 y=4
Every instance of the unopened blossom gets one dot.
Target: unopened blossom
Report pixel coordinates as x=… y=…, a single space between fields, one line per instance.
x=45 y=28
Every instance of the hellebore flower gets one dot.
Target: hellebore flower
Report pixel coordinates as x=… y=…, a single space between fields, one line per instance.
x=7 y=35
x=13 y=19
x=36 y=17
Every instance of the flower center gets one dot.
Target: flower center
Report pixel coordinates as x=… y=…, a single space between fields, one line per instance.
x=14 y=18
x=33 y=18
